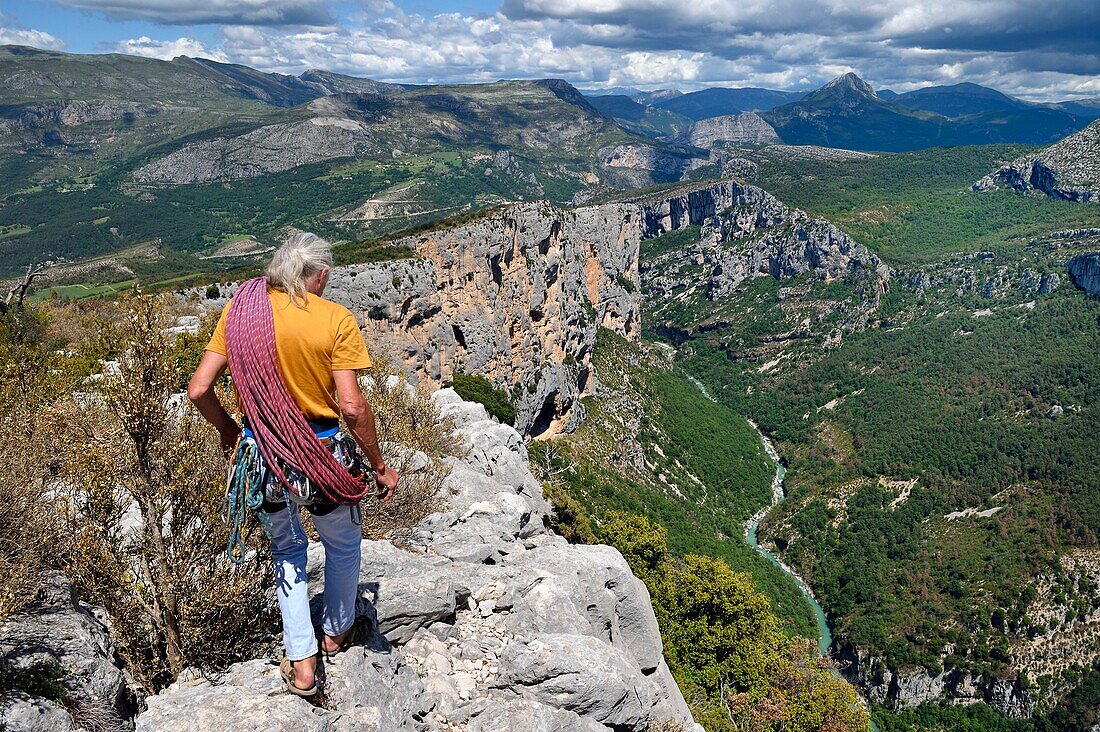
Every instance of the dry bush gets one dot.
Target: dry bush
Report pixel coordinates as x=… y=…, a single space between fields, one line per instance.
x=146 y=480
x=666 y=725
x=30 y=526
x=30 y=378
x=409 y=428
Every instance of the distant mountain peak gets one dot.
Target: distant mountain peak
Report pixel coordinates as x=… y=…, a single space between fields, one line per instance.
x=851 y=81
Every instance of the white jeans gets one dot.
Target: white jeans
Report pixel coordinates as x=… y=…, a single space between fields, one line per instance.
x=341 y=537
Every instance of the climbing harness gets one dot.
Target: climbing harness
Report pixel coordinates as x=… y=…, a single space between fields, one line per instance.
x=252 y=487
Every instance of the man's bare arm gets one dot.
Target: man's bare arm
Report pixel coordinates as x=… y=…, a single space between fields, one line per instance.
x=201 y=393
x=359 y=417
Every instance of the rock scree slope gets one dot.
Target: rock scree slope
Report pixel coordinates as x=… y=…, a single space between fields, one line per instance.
x=489 y=623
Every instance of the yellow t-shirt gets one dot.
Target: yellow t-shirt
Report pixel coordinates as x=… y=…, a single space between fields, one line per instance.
x=311 y=342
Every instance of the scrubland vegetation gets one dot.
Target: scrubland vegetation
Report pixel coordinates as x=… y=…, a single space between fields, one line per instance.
x=116 y=481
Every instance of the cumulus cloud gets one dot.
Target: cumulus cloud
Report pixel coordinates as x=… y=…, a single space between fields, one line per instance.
x=168 y=50
x=11 y=33
x=1037 y=50
x=892 y=42
x=197 y=12
x=392 y=45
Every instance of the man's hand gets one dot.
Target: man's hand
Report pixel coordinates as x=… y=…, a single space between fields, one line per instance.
x=359 y=418
x=229 y=437
x=387 y=479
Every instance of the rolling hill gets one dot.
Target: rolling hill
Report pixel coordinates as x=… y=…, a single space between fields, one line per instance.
x=718 y=101
x=959 y=100
x=641 y=118
x=155 y=169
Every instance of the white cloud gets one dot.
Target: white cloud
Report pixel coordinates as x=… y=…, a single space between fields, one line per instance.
x=168 y=50
x=1039 y=51
x=29 y=37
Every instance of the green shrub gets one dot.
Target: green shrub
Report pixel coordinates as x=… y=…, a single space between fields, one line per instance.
x=476 y=388
x=42 y=680
x=570 y=519
x=725 y=646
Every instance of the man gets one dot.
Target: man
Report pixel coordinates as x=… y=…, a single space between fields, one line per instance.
x=318 y=348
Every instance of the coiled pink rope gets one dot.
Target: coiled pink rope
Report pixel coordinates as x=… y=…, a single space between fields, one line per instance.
x=280 y=428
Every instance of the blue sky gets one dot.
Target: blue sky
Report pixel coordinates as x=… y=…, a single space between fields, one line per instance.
x=1040 y=50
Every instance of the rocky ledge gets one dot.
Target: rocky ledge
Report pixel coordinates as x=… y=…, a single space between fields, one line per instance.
x=58 y=649
x=489 y=621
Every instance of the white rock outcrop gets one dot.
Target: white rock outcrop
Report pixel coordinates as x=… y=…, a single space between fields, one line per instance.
x=490 y=623
x=1067 y=170
x=57 y=635
x=747 y=128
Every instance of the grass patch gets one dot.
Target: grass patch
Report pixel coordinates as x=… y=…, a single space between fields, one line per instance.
x=476 y=388
x=81 y=292
x=672 y=241
x=11 y=231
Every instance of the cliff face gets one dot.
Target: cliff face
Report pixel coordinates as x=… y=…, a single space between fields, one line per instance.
x=517 y=296
x=747 y=128
x=745 y=232
x=1069 y=169
x=907 y=689
x=491 y=622
x=71 y=114
x=1084 y=270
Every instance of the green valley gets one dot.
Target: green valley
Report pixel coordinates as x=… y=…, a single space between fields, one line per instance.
x=941 y=500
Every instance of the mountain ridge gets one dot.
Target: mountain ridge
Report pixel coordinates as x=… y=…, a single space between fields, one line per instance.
x=847 y=113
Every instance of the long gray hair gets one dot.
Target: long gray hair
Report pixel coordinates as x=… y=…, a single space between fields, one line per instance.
x=302 y=256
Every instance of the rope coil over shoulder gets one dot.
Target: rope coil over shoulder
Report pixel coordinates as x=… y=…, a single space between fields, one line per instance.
x=281 y=431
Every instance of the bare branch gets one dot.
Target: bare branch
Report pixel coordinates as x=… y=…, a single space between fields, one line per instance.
x=19 y=292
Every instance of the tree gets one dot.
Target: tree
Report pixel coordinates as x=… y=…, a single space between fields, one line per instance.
x=724 y=644
x=18 y=292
